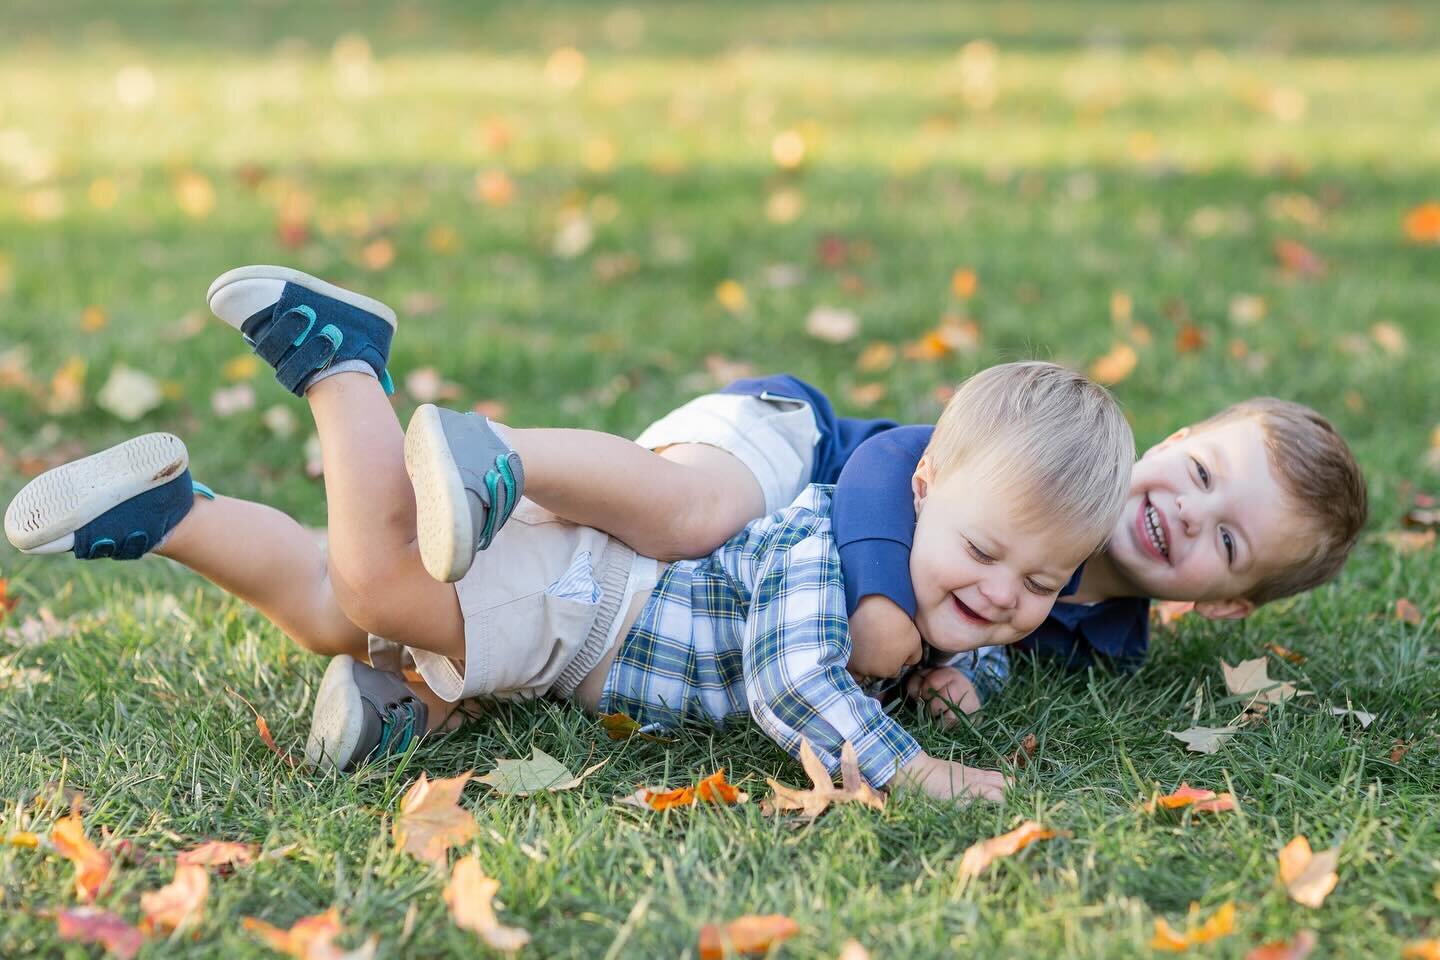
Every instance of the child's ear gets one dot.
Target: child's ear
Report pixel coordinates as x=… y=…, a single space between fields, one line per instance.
x=1235 y=609
x=920 y=482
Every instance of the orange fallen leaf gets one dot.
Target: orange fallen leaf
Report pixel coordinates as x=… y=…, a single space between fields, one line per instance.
x=746 y=936
x=1220 y=924
x=1422 y=223
x=7 y=602
x=93 y=925
x=1298 y=260
x=1021 y=757
x=875 y=357
x=92 y=865
x=1308 y=877
x=1398 y=750
x=815 y=801
x=1422 y=950
x=1408 y=612
x=1166 y=612
x=177 y=903
x=1285 y=653
x=1114 y=366
x=264 y=729
x=964 y=283
x=311 y=938
x=1202 y=801
x=1297 y=949
x=470 y=895
x=430 y=819
x=980 y=855
x=713 y=789
x=1189 y=339
x=218 y=853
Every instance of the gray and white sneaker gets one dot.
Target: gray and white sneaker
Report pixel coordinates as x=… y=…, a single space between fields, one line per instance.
x=362 y=713
x=467 y=481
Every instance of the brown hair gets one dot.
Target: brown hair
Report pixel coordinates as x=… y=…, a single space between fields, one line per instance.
x=1321 y=481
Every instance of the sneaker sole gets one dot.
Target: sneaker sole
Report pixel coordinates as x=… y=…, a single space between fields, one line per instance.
x=338 y=719
x=287 y=275
x=61 y=501
x=442 y=508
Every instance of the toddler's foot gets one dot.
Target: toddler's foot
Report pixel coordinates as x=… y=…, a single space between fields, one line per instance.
x=303 y=327
x=119 y=503
x=467 y=481
x=361 y=712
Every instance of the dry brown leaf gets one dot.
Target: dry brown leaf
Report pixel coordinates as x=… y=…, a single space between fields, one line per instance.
x=853 y=950
x=1201 y=801
x=93 y=925
x=980 y=855
x=1115 y=366
x=430 y=819
x=1398 y=750
x=1286 y=654
x=1295 y=949
x=1251 y=678
x=1407 y=612
x=1298 y=260
x=1021 y=757
x=129 y=394
x=224 y=854
x=813 y=802
x=178 y=903
x=311 y=938
x=264 y=729
x=1308 y=877
x=1361 y=717
x=92 y=865
x=1220 y=924
x=745 y=936
x=876 y=357
x=470 y=895
x=832 y=324
x=1406 y=542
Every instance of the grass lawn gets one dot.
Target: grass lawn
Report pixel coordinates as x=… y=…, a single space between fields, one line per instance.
x=585 y=215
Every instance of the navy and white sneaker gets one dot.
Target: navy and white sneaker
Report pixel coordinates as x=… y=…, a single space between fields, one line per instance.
x=362 y=713
x=119 y=503
x=303 y=326
x=467 y=481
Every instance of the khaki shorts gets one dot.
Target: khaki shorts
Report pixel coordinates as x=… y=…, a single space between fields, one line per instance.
x=542 y=606
x=773 y=436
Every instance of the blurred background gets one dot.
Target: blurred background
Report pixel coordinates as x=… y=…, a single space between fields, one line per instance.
x=586 y=213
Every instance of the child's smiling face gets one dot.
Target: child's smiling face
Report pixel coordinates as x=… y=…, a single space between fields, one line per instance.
x=981 y=577
x=1206 y=519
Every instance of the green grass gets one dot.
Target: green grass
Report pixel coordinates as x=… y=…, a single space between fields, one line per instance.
x=1148 y=149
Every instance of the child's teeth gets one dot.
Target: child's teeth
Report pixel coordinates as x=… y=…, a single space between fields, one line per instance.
x=1157 y=535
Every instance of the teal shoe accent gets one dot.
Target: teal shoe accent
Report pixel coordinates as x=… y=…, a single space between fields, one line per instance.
x=304 y=311
x=387 y=384
x=201 y=490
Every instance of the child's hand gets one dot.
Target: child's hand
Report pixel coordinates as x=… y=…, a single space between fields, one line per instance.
x=948 y=780
x=944 y=690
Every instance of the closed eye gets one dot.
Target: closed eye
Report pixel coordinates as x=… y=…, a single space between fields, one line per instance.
x=1039 y=589
x=980 y=555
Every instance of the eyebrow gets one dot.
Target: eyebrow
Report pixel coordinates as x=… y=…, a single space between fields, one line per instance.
x=1222 y=469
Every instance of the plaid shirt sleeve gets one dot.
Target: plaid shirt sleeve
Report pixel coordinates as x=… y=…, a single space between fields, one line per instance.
x=988 y=669
x=796 y=645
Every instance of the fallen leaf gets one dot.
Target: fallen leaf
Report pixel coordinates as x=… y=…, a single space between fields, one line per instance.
x=1246 y=309
x=1115 y=366
x=1202 y=801
x=7 y=602
x=1422 y=950
x=866 y=395
x=1252 y=678
x=1421 y=519
x=92 y=865
x=93 y=318
x=1295 y=949
x=24 y=838
x=815 y=801
x=67 y=388
x=93 y=925
x=195 y=194
x=1408 y=613
x=1166 y=612
x=427 y=386
x=263 y=728
x=1390 y=338
x=745 y=936
x=1286 y=654
x=1298 y=260
x=1361 y=717
x=731 y=296
x=1190 y=338
x=311 y=938
x=964 y=283
x=228 y=401
x=1220 y=924
x=377 y=254
x=470 y=895
x=876 y=357
x=619 y=726
x=1204 y=739
x=1308 y=877
x=243 y=367
x=788 y=149
x=712 y=789
x=1407 y=541
x=129 y=394
x=1399 y=749
x=218 y=853
x=574 y=235
x=853 y=950
x=784 y=206
x=832 y=325
x=177 y=903
x=495 y=188
x=1021 y=757
x=980 y=855
x=430 y=819
x=1422 y=223
x=540 y=774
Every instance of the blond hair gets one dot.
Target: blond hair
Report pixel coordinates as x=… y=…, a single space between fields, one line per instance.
x=1056 y=440
x=1321 y=482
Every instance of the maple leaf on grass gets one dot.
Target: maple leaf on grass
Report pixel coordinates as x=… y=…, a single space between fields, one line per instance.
x=92 y=865
x=431 y=820
x=745 y=936
x=1201 y=801
x=311 y=938
x=225 y=854
x=713 y=789
x=1308 y=877
x=93 y=925
x=541 y=773
x=620 y=726
x=1204 y=739
x=1297 y=948
x=815 y=801
x=1221 y=923
x=1251 y=679
x=978 y=857
x=470 y=895
x=179 y=902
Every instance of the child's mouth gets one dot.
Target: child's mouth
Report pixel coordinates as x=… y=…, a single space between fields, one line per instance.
x=1152 y=530
x=968 y=614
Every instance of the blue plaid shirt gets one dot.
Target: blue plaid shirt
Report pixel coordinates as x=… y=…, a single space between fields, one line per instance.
x=759 y=627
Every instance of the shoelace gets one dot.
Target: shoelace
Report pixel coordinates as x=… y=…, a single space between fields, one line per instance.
x=392 y=723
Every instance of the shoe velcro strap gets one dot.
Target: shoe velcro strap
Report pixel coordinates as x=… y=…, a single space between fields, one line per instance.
x=312 y=355
x=289 y=330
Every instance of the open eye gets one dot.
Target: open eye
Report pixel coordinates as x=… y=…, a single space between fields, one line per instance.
x=980 y=555
x=1203 y=474
x=1229 y=542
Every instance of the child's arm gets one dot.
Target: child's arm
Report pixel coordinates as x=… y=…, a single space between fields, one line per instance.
x=883 y=638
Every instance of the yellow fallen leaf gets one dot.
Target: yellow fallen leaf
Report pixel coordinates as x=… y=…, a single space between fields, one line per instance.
x=430 y=819
x=311 y=938
x=1308 y=877
x=788 y=149
x=470 y=894
x=1114 y=366
x=1220 y=924
x=731 y=296
x=980 y=855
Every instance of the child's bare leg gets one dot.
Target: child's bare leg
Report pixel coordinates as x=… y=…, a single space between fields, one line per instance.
x=272 y=563
x=676 y=502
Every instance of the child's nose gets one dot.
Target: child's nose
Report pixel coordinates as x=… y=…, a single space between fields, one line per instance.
x=1000 y=591
x=1189 y=516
